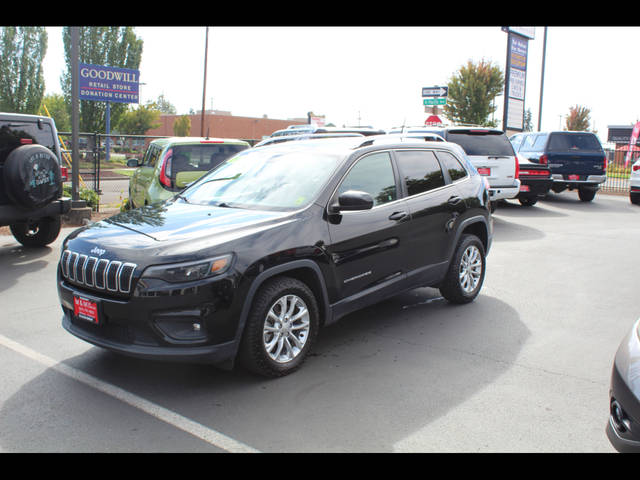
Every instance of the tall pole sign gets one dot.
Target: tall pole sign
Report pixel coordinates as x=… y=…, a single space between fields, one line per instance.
x=515 y=77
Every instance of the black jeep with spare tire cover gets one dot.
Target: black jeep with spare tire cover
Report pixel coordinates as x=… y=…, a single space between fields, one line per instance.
x=31 y=178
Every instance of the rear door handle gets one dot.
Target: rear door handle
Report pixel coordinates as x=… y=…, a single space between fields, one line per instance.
x=397 y=215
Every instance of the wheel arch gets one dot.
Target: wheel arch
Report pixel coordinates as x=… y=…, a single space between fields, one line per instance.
x=304 y=270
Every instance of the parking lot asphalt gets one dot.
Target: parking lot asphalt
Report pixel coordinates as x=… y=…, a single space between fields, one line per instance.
x=524 y=368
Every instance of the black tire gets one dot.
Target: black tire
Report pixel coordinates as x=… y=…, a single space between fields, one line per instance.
x=254 y=353
x=31 y=176
x=37 y=233
x=492 y=205
x=528 y=201
x=453 y=288
x=586 y=194
x=634 y=198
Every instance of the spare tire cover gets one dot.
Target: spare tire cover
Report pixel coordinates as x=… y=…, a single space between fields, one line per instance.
x=32 y=176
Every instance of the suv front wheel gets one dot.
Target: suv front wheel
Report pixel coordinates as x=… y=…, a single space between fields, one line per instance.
x=466 y=271
x=281 y=328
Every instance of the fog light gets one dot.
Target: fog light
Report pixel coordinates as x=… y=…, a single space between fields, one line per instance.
x=620 y=420
x=180 y=329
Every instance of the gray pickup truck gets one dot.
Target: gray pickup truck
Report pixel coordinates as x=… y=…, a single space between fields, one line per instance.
x=576 y=159
x=31 y=178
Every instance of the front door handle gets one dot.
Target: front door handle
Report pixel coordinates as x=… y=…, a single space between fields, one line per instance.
x=397 y=215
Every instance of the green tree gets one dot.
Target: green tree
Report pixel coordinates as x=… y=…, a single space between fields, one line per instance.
x=136 y=121
x=578 y=119
x=22 y=50
x=182 y=126
x=59 y=111
x=528 y=121
x=472 y=90
x=107 y=46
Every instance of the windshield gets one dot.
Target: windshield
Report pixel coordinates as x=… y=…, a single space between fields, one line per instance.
x=482 y=142
x=572 y=142
x=265 y=179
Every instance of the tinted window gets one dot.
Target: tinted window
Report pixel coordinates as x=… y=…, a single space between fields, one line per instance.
x=372 y=174
x=452 y=165
x=481 y=142
x=420 y=170
x=572 y=142
x=190 y=158
x=14 y=134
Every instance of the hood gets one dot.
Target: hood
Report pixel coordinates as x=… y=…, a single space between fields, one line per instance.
x=171 y=229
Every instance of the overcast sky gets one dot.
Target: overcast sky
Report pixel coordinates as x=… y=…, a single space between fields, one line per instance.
x=374 y=75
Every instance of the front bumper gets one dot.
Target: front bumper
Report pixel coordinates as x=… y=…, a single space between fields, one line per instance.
x=623 y=427
x=197 y=323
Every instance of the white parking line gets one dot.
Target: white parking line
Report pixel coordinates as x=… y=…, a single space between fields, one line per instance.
x=213 y=437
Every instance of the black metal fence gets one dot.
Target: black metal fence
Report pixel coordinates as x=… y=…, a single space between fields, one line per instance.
x=104 y=182
x=618 y=172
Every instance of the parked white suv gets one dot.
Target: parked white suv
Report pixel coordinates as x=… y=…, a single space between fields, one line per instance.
x=489 y=150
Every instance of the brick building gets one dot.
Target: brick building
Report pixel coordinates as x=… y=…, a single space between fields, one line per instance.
x=224 y=125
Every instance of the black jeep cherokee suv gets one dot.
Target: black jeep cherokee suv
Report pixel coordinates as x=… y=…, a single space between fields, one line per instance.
x=252 y=259
x=31 y=201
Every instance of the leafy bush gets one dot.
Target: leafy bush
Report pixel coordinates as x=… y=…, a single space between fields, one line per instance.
x=86 y=194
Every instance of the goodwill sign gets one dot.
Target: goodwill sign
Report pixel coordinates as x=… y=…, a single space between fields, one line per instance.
x=108 y=84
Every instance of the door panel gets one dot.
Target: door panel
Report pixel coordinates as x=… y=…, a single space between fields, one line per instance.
x=369 y=247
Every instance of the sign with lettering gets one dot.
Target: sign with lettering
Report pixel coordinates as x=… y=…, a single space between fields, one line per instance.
x=108 y=84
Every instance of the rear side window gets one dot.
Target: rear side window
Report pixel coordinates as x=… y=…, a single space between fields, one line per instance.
x=482 y=142
x=451 y=165
x=574 y=142
x=420 y=170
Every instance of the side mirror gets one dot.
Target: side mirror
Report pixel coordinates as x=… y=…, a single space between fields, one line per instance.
x=352 y=200
x=132 y=162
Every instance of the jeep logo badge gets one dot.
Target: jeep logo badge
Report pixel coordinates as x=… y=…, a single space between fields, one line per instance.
x=97 y=251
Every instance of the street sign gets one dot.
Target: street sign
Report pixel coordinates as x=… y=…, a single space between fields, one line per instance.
x=435 y=101
x=435 y=91
x=108 y=84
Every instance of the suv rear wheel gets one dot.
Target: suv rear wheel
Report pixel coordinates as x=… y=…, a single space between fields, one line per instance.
x=37 y=233
x=466 y=272
x=586 y=194
x=281 y=328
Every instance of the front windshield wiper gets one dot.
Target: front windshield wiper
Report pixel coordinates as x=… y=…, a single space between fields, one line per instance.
x=182 y=197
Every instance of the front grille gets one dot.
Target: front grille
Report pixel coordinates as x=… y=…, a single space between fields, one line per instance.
x=99 y=273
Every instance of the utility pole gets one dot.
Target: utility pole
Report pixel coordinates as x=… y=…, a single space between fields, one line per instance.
x=75 y=117
x=204 y=84
x=544 y=54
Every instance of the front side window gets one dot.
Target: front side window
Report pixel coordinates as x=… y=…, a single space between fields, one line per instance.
x=372 y=174
x=420 y=170
x=265 y=179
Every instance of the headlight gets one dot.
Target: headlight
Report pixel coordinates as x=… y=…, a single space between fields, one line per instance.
x=189 y=271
